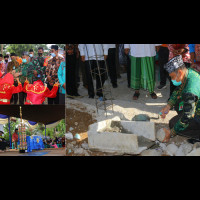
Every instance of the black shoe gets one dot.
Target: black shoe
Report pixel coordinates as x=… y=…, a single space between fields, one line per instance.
x=154 y=95
x=114 y=85
x=160 y=87
x=91 y=97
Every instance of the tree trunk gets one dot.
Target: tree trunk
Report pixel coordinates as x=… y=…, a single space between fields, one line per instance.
x=2 y=49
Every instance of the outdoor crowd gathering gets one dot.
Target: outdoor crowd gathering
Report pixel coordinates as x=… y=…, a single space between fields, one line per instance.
x=31 y=78
x=178 y=63
x=57 y=142
x=48 y=142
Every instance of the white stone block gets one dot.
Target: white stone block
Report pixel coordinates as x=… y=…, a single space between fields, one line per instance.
x=195 y=152
x=113 y=142
x=151 y=152
x=171 y=149
x=69 y=136
x=120 y=142
x=180 y=152
x=145 y=129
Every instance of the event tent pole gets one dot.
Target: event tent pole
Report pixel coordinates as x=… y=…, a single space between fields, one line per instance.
x=9 y=133
x=45 y=131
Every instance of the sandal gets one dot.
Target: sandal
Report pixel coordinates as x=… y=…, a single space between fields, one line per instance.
x=136 y=96
x=153 y=95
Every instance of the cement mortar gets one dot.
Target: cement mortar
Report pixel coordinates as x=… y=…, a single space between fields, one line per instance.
x=116 y=127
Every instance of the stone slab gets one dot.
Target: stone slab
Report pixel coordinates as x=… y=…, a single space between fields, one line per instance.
x=195 y=152
x=145 y=129
x=126 y=143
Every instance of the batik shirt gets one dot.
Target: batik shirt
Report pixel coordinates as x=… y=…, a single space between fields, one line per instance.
x=189 y=94
x=38 y=64
x=52 y=68
x=186 y=56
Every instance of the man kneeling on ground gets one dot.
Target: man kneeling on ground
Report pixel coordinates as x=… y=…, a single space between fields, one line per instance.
x=185 y=100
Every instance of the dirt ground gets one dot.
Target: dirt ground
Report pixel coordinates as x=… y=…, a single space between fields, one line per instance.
x=80 y=121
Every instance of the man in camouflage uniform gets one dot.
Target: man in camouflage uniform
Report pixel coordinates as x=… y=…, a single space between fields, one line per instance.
x=39 y=68
x=52 y=72
x=186 y=101
x=25 y=70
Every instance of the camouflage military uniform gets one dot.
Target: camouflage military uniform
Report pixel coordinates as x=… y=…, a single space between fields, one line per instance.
x=38 y=64
x=27 y=71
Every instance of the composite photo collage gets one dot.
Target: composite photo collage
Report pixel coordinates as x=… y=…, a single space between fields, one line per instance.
x=99 y=100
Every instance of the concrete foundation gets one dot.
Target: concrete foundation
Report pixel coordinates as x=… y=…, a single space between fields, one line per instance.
x=132 y=137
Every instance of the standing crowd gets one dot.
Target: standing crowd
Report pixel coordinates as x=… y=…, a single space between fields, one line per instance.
x=138 y=59
x=30 y=79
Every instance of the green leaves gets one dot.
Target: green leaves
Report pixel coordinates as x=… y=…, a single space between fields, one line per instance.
x=13 y=125
x=20 y=48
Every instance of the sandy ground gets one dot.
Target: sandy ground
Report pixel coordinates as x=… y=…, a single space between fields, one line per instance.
x=123 y=106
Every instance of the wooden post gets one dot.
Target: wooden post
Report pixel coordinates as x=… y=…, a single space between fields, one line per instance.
x=2 y=49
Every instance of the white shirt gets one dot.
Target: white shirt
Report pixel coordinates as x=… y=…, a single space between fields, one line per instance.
x=90 y=51
x=142 y=50
x=111 y=46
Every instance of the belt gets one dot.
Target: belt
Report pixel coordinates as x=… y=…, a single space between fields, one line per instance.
x=5 y=100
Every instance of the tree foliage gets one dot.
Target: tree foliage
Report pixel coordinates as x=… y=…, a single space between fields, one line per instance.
x=13 y=125
x=20 y=48
x=57 y=131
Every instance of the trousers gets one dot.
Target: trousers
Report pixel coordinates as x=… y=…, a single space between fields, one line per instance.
x=192 y=131
x=100 y=78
